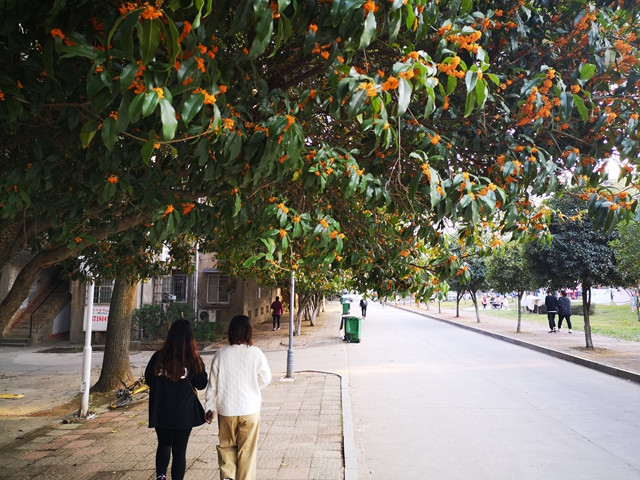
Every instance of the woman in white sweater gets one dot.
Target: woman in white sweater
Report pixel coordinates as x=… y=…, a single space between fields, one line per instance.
x=238 y=372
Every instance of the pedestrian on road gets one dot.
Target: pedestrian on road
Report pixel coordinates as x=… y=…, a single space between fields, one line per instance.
x=484 y=301
x=277 y=309
x=551 y=302
x=173 y=373
x=564 y=310
x=363 y=307
x=238 y=373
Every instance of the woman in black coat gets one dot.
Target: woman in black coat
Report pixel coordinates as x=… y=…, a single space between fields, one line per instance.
x=173 y=374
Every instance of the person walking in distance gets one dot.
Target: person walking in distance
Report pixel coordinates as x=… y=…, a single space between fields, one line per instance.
x=173 y=373
x=238 y=373
x=276 y=312
x=551 y=302
x=363 y=307
x=564 y=310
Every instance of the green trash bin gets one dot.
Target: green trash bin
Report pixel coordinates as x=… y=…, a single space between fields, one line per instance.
x=352 y=326
x=345 y=307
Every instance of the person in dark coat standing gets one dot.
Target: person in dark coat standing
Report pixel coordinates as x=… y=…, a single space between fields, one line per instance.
x=564 y=310
x=173 y=373
x=551 y=302
x=363 y=307
x=276 y=309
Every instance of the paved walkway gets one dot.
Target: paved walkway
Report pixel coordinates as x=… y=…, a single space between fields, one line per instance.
x=301 y=435
x=307 y=430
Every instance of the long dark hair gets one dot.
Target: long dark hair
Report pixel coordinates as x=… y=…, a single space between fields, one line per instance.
x=240 y=331
x=178 y=352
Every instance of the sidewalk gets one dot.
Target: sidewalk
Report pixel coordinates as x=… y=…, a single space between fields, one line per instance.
x=609 y=355
x=301 y=433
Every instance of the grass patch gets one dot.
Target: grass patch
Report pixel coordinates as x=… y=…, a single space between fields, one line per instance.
x=616 y=321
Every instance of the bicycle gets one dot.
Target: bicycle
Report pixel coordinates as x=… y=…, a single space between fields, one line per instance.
x=135 y=392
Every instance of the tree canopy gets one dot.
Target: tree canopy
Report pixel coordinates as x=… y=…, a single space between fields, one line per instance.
x=576 y=255
x=324 y=135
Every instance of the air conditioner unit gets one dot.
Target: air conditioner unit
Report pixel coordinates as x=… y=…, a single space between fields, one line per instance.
x=207 y=316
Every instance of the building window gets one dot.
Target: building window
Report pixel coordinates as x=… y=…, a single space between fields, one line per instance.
x=180 y=287
x=175 y=285
x=216 y=289
x=102 y=292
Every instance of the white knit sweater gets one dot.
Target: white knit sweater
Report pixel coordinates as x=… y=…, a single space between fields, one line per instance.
x=238 y=373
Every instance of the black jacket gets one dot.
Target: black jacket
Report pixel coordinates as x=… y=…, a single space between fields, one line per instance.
x=564 y=306
x=172 y=404
x=551 y=302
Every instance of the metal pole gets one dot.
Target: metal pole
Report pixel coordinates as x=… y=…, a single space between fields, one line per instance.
x=291 y=307
x=86 y=352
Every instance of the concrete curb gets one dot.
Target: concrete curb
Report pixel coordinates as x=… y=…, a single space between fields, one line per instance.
x=601 y=367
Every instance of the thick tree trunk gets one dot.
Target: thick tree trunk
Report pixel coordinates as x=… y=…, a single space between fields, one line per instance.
x=19 y=291
x=586 y=308
x=20 y=288
x=115 y=365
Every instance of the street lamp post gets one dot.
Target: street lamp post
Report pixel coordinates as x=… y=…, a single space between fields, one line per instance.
x=291 y=308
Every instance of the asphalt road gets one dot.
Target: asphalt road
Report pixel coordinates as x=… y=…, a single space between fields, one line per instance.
x=430 y=400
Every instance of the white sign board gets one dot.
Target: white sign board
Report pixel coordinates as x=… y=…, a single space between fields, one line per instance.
x=99 y=318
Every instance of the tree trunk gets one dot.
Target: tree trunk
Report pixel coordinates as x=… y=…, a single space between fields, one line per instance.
x=520 y=294
x=586 y=308
x=115 y=365
x=474 y=299
x=458 y=297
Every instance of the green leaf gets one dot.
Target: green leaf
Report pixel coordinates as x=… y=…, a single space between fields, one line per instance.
x=237 y=205
x=147 y=151
x=582 y=109
x=191 y=107
x=470 y=79
x=149 y=38
x=249 y=262
x=149 y=103
x=470 y=103
x=369 y=30
x=169 y=121
x=109 y=133
x=587 y=71
x=404 y=95
x=87 y=132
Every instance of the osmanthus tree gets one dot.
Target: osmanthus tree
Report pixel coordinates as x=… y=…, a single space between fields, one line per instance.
x=127 y=258
x=627 y=250
x=356 y=130
x=508 y=271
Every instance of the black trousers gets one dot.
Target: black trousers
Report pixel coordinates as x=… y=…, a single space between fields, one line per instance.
x=172 y=442
x=562 y=317
x=551 y=316
x=276 y=321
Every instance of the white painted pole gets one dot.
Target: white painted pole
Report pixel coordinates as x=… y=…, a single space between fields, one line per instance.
x=86 y=352
x=291 y=308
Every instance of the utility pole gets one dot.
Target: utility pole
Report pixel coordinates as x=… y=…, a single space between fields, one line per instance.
x=87 y=351
x=291 y=308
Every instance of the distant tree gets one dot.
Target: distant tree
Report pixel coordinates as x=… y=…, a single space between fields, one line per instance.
x=577 y=254
x=627 y=250
x=508 y=271
x=470 y=278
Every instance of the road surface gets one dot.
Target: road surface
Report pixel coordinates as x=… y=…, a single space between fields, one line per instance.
x=434 y=401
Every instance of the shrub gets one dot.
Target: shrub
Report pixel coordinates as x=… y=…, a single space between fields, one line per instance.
x=151 y=322
x=210 y=331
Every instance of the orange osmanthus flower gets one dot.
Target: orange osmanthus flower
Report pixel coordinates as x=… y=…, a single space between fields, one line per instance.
x=112 y=179
x=187 y=207
x=168 y=210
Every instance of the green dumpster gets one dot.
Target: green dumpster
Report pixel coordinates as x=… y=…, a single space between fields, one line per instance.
x=345 y=307
x=352 y=327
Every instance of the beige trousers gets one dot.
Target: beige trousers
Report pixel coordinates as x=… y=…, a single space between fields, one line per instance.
x=238 y=449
